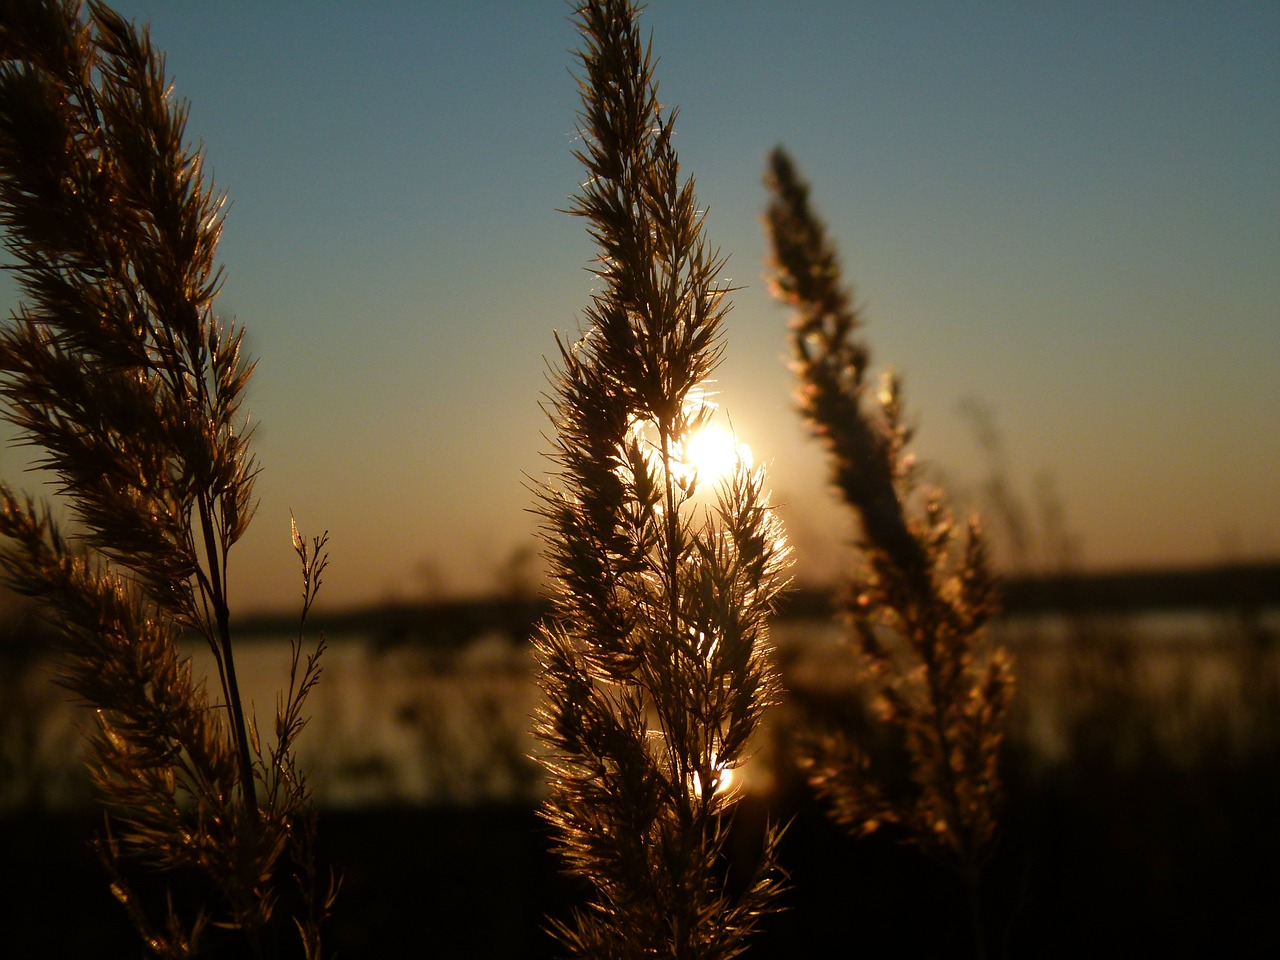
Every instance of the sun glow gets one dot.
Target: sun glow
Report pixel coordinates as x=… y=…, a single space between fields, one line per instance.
x=712 y=454
x=705 y=459
x=722 y=779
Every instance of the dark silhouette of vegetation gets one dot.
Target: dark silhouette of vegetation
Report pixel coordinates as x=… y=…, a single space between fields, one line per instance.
x=117 y=367
x=918 y=606
x=654 y=664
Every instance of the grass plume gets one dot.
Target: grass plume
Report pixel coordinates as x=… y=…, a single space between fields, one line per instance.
x=654 y=665
x=918 y=606
x=117 y=367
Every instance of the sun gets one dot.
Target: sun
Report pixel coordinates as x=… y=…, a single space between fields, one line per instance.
x=713 y=454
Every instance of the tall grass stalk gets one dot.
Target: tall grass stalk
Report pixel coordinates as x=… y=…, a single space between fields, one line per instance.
x=654 y=665
x=117 y=367
x=918 y=605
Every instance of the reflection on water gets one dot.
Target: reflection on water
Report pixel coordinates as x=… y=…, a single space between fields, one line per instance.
x=405 y=724
x=413 y=724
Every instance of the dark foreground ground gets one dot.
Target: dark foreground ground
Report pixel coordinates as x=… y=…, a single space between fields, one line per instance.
x=1145 y=864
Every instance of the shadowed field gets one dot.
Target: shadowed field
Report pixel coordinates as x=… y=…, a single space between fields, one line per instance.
x=1157 y=865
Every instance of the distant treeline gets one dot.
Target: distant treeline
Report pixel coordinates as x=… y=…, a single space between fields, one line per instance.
x=1243 y=586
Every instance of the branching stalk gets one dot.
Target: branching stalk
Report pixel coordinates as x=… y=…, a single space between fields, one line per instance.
x=115 y=365
x=919 y=605
x=654 y=667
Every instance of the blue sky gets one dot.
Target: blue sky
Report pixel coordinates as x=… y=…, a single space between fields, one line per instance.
x=1068 y=212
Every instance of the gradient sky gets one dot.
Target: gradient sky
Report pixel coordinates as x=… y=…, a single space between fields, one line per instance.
x=1068 y=213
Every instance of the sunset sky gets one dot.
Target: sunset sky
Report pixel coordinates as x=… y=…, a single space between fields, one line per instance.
x=1066 y=213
